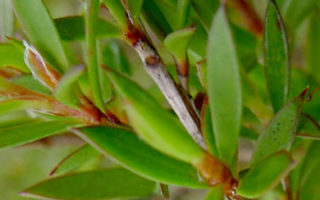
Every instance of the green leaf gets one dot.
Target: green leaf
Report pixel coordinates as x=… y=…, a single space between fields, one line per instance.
x=265 y=175
x=67 y=90
x=308 y=127
x=99 y=184
x=135 y=7
x=11 y=56
x=295 y=11
x=127 y=149
x=6 y=19
x=183 y=11
x=27 y=81
x=277 y=69
x=117 y=11
x=15 y=118
x=147 y=117
x=215 y=193
x=224 y=87
x=73 y=28
x=280 y=131
x=40 y=29
x=114 y=57
x=207 y=129
x=29 y=132
x=310 y=163
x=76 y=159
x=310 y=190
x=314 y=45
x=92 y=55
x=178 y=42
x=206 y=10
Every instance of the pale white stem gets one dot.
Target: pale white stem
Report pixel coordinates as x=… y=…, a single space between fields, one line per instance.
x=178 y=101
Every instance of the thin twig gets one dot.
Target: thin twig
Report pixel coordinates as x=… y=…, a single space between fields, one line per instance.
x=173 y=93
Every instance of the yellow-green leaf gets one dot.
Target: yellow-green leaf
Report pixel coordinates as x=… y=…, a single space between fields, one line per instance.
x=224 y=87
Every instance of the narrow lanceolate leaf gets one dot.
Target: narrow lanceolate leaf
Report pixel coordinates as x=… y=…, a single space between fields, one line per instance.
x=27 y=81
x=207 y=129
x=147 y=117
x=314 y=45
x=40 y=29
x=127 y=149
x=75 y=160
x=308 y=127
x=135 y=7
x=117 y=11
x=25 y=133
x=309 y=164
x=6 y=19
x=310 y=189
x=183 y=10
x=92 y=55
x=215 y=193
x=11 y=56
x=100 y=184
x=280 y=131
x=41 y=71
x=73 y=28
x=67 y=90
x=277 y=69
x=265 y=175
x=295 y=11
x=177 y=43
x=224 y=86
x=206 y=10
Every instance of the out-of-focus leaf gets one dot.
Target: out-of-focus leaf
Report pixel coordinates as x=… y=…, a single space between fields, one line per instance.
x=207 y=129
x=6 y=19
x=168 y=10
x=40 y=29
x=224 y=87
x=248 y=133
x=215 y=193
x=114 y=57
x=67 y=90
x=30 y=83
x=183 y=9
x=147 y=117
x=15 y=118
x=295 y=11
x=178 y=42
x=10 y=56
x=25 y=133
x=280 y=131
x=308 y=127
x=246 y=44
x=314 y=45
x=135 y=7
x=154 y=17
x=310 y=163
x=118 y=12
x=73 y=28
x=100 y=184
x=76 y=159
x=310 y=189
x=265 y=175
x=42 y=71
x=91 y=51
x=277 y=69
x=127 y=149
x=205 y=9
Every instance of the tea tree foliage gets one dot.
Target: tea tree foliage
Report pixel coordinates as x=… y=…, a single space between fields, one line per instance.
x=169 y=91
